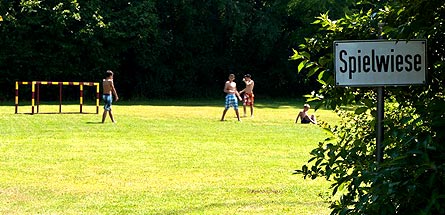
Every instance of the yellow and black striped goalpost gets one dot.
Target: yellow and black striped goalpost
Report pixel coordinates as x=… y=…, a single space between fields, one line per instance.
x=35 y=95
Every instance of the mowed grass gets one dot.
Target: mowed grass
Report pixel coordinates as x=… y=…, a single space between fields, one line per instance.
x=172 y=157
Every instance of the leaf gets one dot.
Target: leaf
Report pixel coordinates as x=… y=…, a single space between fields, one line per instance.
x=313 y=71
x=321 y=82
x=368 y=102
x=361 y=110
x=321 y=74
x=306 y=55
x=301 y=65
x=310 y=64
x=296 y=55
x=329 y=132
x=313 y=99
x=323 y=61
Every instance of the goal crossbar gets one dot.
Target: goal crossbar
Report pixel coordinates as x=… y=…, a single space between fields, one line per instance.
x=35 y=93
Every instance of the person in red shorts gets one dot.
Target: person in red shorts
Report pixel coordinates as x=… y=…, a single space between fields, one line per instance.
x=248 y=94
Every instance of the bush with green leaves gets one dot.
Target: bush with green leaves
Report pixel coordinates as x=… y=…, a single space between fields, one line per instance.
x=411 y=178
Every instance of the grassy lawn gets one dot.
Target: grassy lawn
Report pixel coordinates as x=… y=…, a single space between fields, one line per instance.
x=162 y=157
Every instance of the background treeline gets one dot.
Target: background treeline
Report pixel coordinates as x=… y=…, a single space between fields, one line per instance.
x=159 y=48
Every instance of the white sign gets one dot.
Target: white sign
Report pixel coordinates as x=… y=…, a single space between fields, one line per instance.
x=380 y=62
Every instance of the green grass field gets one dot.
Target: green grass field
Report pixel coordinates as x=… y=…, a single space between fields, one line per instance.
x=162 y=157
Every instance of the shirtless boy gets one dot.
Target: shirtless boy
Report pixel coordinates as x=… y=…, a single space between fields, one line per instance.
x=305 y=118
x=248 y=94
x=231 y=97
x=108 y=91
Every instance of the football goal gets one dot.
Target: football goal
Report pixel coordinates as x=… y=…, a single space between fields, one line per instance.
x=35 y=93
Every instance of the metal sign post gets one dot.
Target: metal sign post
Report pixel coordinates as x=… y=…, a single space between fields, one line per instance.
x=380 y=116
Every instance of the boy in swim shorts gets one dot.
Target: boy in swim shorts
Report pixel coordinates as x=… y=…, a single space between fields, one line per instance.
x=248 y=94
x=108 y=92
x=231 y=97
x=305 y=118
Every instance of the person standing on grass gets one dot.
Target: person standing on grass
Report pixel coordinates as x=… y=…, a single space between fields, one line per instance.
x=108 y=92
x=231 y=97
x=248 y=94
x=305 y=118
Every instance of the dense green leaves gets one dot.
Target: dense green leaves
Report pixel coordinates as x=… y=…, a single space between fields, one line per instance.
x=163 y=49
x=411 y=179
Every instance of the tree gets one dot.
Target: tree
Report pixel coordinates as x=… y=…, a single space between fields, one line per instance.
x=411 y=179
x=158 y=49
x=76 y=40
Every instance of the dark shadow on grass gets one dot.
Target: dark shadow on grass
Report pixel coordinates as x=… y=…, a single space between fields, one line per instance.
x=56 y=113
x=94 y=123
x=174 y=102
x=259 y=103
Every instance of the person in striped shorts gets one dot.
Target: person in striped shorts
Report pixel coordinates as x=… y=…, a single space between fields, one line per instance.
x=231 y=97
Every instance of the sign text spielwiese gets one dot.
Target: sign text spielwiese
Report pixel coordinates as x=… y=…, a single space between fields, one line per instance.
x=380 y=63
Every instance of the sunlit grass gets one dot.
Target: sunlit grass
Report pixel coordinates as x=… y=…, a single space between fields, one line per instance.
x=159 y=158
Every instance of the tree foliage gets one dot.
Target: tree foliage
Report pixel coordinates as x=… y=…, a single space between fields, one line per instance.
x=168 y=48
x=411 y=179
